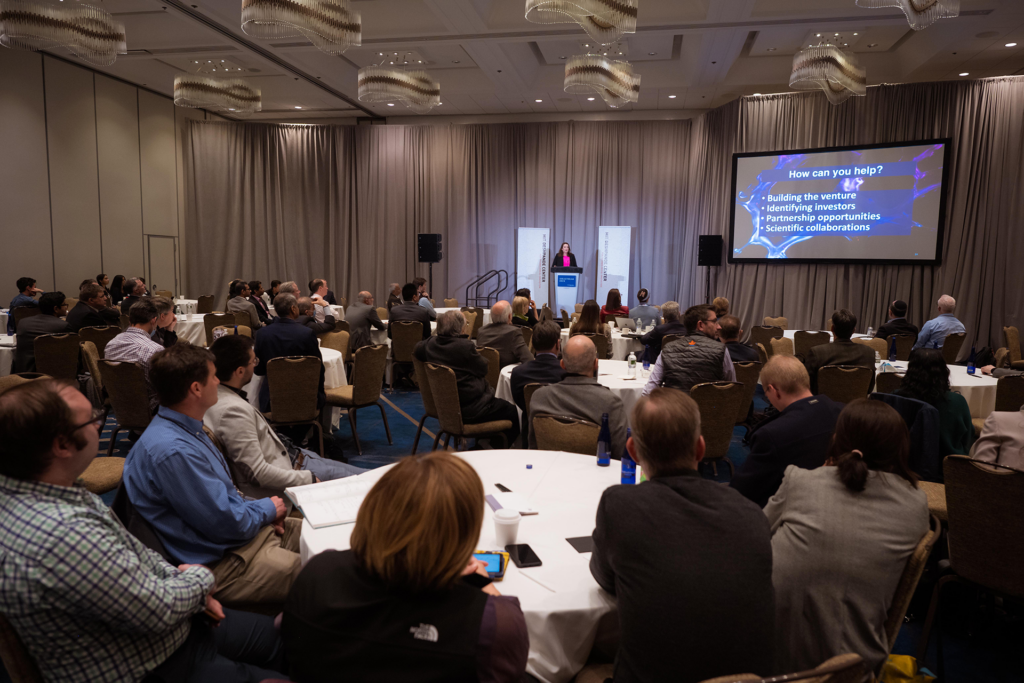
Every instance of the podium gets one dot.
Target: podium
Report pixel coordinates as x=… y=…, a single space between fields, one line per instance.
x=567 y=281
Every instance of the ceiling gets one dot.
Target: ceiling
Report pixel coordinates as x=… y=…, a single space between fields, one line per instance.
x=489 y=60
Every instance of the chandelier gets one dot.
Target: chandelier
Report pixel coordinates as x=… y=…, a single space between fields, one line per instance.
x=613 y=80
x=329 y=24
x=920 y=13
x=88 y=32
x=415 y=89
x=826 y=66
x=604 y=20
x=199 y=91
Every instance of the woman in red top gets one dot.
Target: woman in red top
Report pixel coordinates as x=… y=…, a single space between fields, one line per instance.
x=613 y=307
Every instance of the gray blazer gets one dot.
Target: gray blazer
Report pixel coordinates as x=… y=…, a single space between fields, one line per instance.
x=240 y=305
x=30 y=328
x=581 y=397
x=507 y=339
x=1001 y=440
x=258 y=459
x=360 y=316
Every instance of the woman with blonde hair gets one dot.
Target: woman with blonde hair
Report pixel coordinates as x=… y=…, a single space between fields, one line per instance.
x=521 y=312
x=349 y=612
x=721 y=306
x=589 y=322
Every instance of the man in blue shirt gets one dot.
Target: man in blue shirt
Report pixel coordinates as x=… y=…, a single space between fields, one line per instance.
x=26 y=297
x=934 y=332
x=180 y=483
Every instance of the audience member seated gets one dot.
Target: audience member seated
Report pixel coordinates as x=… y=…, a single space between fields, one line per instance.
x=927 y=379
x=579 y=395
x=256 y=299
x=453 y=348
x=411 y=562
x=27 y=291
x=934 y=332
x=613 y=307
x=134 y=289
x=103 y=281
x=361 y=314
x=409 y=310
x=92 y=310
x=1002 y=439
x=589 y=322
x=178 y=481
x=544 y=368
x=649 y=315
x=695 y=358
x=51 y=307
x=730 y=333
x=268 y=297
x=394 y=295
x=289 y=287
x=166 y=322
x=500 y=334
x=531 y=313
x=672 y=325
x=330 y=298
x=263 y=463
x=239 y=303
x=135 y=344
x=145 y=290
x=286 y=337
x=798 y=434
x=841 y=537
x=688 y=560
x=521 y=312
x=841 y=350
x=721 y=306
x=897 y=322
x=90 y=602
x=116 y=290
x=318 y=292
x=307 y=317
x=424 y=296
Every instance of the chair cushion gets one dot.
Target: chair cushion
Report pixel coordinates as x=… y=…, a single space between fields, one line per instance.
x=103 y=474
x=486 y=427
x=340 y=396
x=936 y=498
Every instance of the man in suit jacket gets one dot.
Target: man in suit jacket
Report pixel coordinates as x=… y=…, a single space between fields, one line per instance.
x=502 y=335
x=239 y=303
x=672 y=325
x=410 y=310
x=897 y=322
x=545 y=368
x=256 y=299
x=286 y=337
x=307 y=317
x=579 y=395
x=51 y=307
x=1001 y=440
x=730 y=332
x=361 y=315
x=671 y=547
x=841 y=351
x=394 y=296
x=134 y=290
x=799 y=434
x=92 y=310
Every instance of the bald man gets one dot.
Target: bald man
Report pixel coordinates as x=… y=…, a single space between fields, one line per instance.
x=361 y=315
x=933 y=334
x=579 y=394
x=502 y=335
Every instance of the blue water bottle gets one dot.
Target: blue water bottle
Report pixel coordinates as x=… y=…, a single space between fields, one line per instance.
x=604 y=443
x=892 y=351
x=628 y=464
x=647 y=361
x=970 y=362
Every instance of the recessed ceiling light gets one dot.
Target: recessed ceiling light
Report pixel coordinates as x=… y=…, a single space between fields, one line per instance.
x=455 y=61
x=651 y=54
x=836 y=34
x=562 y=57
x=391 y=104
x=538 y=100
x=872 y=44
x=671 y=97
x=817 y=35
x=757 y=94
x=965 y=74
x=856 y=34
x=590 y=99
x=298 y=107
x=1011 y=45
x=772 y=49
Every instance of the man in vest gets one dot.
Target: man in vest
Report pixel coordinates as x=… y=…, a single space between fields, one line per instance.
x=697 y=357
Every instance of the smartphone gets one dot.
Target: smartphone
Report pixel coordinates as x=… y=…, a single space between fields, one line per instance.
x=496 y=563
x=523 y=556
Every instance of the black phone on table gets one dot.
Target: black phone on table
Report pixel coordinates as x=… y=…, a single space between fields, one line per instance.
x=523 y=556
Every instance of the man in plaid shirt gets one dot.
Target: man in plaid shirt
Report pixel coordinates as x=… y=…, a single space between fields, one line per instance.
x=90 y=602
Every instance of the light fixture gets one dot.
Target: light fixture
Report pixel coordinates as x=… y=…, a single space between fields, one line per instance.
x=455 y=61
x=591 y=99
x=828 y=67
x=1011 y=45
x=651 y=54
x=965 y=74
x=538 y=100
x=298 y=107
x=757 y=94
x=872 y=44
x=919 y=14
x=87 y=32
x=671 y=97
x=218 y=94
x=613 y=80
x=604 y=20
x=772 y=49
x=415 y=89
x=329 y=24
x=391 y=104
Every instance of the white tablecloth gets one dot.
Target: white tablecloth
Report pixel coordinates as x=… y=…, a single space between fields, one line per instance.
x=183 y=302
x=560 y=599
x=338 y=312
x=621 y=346
x=7 y=345
x=192 y=330
x=979 y=390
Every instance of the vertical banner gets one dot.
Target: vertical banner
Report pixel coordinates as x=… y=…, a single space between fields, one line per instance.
x=613 y=259
x=533 y=252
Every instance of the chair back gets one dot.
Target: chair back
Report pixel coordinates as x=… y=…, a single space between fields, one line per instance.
x=569 y=434
x=204 y=304
x=804 y=341
x=342 y=326
x=600 y=343
x=986 y=529
x=719 y=404
x=776 y=322
x=1012 y=338
x=405 y=335
x=445 y=391
x=212 y=320
x=293 y=384
x=493 y=365
x=887 y=382
x=764 y=335
x=233 y=329
x=782 y=346
x=22 y=312
x=164 y=292
x=747 y=373
x=579 y=308
x=129 y=395
x=242 y=318
x=904 y=345
x=100 y=336
x=124 y=322
x=668 y=339
x=337 y=341
x=478 y=322
x=908 y=581
x=382 y=312
x=1002 y=357
x=528 y=391
x=8 y=382
x=566 y=320
x=470 y=321
x=343 y=302
x=762 y=353
x=91 y=360
x=1010 y=393
x=844 y=383
x=877 y=345
x=420 y=368
x=545 y=314
x=951 y=346
x=57 y=355
x=527 y=336
x=451 y=303
x=19 y=664
x=70 y=302
x=368 y=365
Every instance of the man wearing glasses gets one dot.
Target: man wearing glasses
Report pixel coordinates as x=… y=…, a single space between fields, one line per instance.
x=93 y=309
x=51 y=308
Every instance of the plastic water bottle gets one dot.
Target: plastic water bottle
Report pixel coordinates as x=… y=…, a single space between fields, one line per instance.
x=892 y=351
x=871 y=332
x=604 y=443
x=628 y=464
x=647 y=361
x=970 y=362
x=639 y=325
x=631 y=359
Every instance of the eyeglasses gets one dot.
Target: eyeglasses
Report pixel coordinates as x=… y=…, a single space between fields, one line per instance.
x=98 y=418
x=254 y=361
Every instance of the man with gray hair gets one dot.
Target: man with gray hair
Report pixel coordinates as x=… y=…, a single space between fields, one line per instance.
x=502 y=335
x=307 y=317
x=288 y=288
x=672 y=325
x=394 y=295
x=934 y=332
x=580 y=395
x=452 y=347
x=361 y=315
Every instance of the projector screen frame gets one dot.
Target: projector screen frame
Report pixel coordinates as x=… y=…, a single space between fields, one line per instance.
x=946 y=143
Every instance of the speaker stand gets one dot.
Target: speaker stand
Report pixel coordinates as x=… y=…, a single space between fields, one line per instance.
x=707 y=288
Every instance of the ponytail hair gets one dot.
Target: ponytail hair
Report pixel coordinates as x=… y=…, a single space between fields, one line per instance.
x=870 y=435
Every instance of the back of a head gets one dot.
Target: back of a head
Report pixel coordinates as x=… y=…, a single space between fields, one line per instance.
x=173 y=371
x=129 y=285
x=275 y=283
x=730 y=328
x=844 y=322
x=117 y=283
x=50 y=302
x=520 y=305
x=283 y=304
x=230 y=352
x=590 y=318
x=870 y=435
x=787 y=374
x=408 y=291
x=24 y=283
x=947 y=304
x=365 y=297
x=418 y=526
x=289 y=288
x=721 y=305
x=643 y=296
x=501 y=312
x=315 y=285
x=419 y=281
x=163 y=304
x=32 y=416
x=305 y=305
x=524 y=292
x=90 y=292
x=142 y=312
x=899 y=308
x=545 y=335
x=614 y=300
x=696 y=314
x=99 y=278
x=666 y=429
x=451 y=324
x=237 y=287
x=88 y=281
x=927 y=377
x=579 y=355
x=670 y=311
x=254 y=286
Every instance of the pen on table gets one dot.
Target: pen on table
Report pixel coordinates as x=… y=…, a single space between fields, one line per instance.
x=537 y=581
x=503 y=489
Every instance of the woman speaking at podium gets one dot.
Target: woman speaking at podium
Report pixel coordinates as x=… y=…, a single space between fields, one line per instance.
x=565 y=258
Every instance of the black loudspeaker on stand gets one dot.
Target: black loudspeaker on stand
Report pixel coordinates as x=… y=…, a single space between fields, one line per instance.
x=709 y=253
x=428 y=249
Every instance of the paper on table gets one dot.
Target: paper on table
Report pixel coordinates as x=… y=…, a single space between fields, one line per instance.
x=330 y=502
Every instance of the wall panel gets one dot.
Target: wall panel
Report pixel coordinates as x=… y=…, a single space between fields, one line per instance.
x=159 y=166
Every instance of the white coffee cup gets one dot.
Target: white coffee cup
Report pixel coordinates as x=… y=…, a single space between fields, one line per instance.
x=506 y=526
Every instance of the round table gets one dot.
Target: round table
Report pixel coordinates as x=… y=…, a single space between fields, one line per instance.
x=621 y=346
x=193 y=331
x=562 y=603
x=979 y=390
x=7 y=346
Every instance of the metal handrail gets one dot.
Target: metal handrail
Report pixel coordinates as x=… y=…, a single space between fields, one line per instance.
x=494 y=293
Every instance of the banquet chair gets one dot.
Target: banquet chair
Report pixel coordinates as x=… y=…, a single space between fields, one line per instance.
x=1002 y=357
x=493 y=365
x=125 y=384
x=337 y=341
x=165 y=293
x=566 y=320
x=204 y=304
x=293 y=382
x=368 y=365
x=782 y=346
x=470 y=321
x=451 y=303
x=922 y=420
x=429 y=410
x=405 y=335
x=241 y=318
x=1012 y=338
x=747 y=374
x=762 y=353
x=847 y=668
x=100 y=336
x=887 y=382
x=776 y=322
x=763 y=335
x=579 y=308
x=20 y=665
x=478 y=322
x=528 y=391
x=573 y=317
x=382 y=312
x=804 y=341
x=877 y=345
x=343 y=302
x=1009 y=398
x=123 y=322
x=70 y=302
x=527 y=337
x=719 y=404
x=102 y=475
x=212 y=320
x=568 y=434
x=981 y=553
x=57 y=355
x=8 y=382
x=600 y=343
x=936 y=494
x=844 y=383
x=904 y=345
x=545 y=314
x=342 y=326
x=91 y=361
x=235 y=329
x=22 y=312
x=951 y=347
x=909 y=579
x=445 y=391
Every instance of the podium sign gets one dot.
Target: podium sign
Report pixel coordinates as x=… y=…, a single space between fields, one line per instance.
x=567 y=282
x=532 y=255
x=613 y=259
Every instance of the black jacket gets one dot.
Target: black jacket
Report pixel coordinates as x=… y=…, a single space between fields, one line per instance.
x=742 y=352
x=82 y=315
x=654 y=337
x=544 y=369
x=408 y=310
x=30 y=328
x=318 y=328
x=261 y=309
x=557 y=263
x=897 y=326
x=839 y=353
x=128 y=302
x=460 y=354
x=286 y=337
